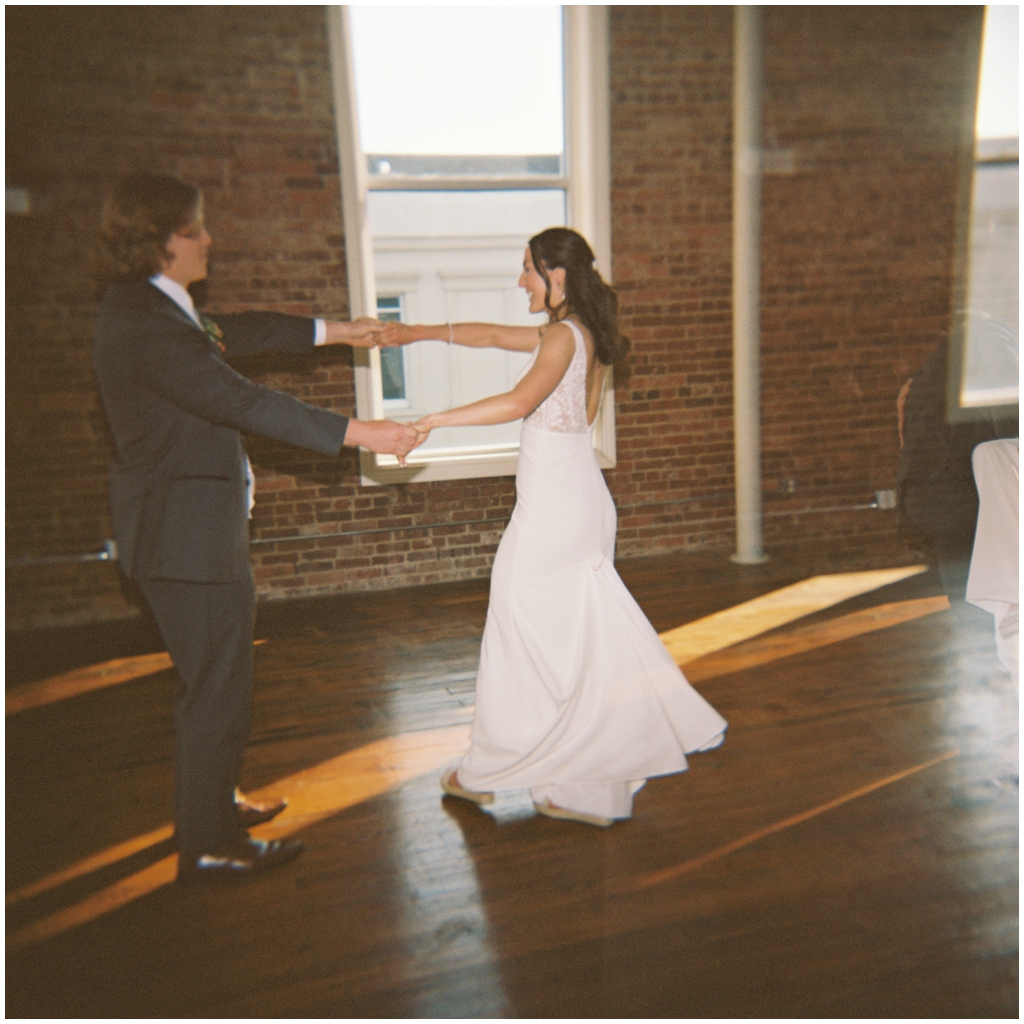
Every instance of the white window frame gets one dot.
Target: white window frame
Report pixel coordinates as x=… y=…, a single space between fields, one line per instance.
x=588 y=209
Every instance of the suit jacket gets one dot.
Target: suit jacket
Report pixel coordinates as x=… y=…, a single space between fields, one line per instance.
x=175 y=409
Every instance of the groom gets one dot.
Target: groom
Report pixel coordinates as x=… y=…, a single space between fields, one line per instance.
x=181 y=490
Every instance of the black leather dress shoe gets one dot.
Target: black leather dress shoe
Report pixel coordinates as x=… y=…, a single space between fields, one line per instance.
x=251 y=813
x=243 y=859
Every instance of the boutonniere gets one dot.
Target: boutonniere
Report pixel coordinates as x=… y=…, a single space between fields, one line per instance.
x=213 y=332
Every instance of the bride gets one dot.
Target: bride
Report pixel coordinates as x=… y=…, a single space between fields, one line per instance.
x=577 y=698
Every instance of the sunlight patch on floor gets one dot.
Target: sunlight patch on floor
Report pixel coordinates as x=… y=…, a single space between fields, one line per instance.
x=327 y=788
x=85 y=680
x=98 y=861
x=765 y=649
x=742 y=621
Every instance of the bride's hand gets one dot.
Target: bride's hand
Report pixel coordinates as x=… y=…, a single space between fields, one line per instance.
x=423 y=428
x=422 y=433
x=394 y=334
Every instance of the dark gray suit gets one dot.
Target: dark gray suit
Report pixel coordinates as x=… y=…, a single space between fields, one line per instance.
x=178 y=498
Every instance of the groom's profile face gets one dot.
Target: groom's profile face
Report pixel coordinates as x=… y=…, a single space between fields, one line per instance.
x=186 y=260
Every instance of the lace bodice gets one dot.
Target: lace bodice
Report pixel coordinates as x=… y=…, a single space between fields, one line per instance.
x=564 y=411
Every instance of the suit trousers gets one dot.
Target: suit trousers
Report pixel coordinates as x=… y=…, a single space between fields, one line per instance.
x=208 y=629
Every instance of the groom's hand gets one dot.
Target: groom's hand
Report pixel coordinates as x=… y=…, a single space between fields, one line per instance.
x=361 y=333
x=383 y=436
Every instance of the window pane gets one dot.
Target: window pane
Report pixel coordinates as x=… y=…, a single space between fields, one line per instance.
x=392 y=360
x=392 y=372
x=430 y=81
x=443 y=214
x=988 y=323
x=998 y=95
x=990 y=364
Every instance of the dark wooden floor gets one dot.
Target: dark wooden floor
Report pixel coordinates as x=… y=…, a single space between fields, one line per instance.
x=901 y=902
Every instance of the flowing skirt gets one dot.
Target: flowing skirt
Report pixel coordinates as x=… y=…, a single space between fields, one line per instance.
x=577 y=698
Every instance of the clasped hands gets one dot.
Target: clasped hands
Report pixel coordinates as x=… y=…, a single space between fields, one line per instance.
x=393 y=335
x=367 y=332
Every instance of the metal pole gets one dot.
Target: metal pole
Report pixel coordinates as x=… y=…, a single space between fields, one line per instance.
x=746 y=283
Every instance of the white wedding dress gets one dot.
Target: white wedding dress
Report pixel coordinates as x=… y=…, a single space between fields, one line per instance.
x=576 y=696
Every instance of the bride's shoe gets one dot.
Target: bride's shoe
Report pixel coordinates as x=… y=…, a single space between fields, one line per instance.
x=548 y=809
x=450 y=784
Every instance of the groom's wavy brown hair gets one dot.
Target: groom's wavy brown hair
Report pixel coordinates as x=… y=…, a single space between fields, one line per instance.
x=139 y=217
x=587 y=296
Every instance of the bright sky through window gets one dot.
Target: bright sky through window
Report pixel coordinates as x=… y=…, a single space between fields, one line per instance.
x=475 y=80
x=998 y=100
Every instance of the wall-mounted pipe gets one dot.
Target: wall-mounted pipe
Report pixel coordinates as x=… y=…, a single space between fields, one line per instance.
x=884 y=500
x=746 y=283
x=108 y=554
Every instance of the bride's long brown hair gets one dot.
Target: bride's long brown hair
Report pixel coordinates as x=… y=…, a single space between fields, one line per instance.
x=587 y=296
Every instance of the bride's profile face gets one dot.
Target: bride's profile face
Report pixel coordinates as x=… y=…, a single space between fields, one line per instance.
x=536 y=287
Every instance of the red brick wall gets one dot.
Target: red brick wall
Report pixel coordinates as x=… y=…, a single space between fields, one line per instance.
x=671 y=85
x=857 y=263
x=857 y=276
x=866 y=104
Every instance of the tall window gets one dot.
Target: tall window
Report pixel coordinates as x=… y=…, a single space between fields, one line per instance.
x=987 y=367
x=454 y=152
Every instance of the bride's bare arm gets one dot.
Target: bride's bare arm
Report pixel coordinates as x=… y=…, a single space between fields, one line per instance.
x=553 y=359
x=517 y=339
